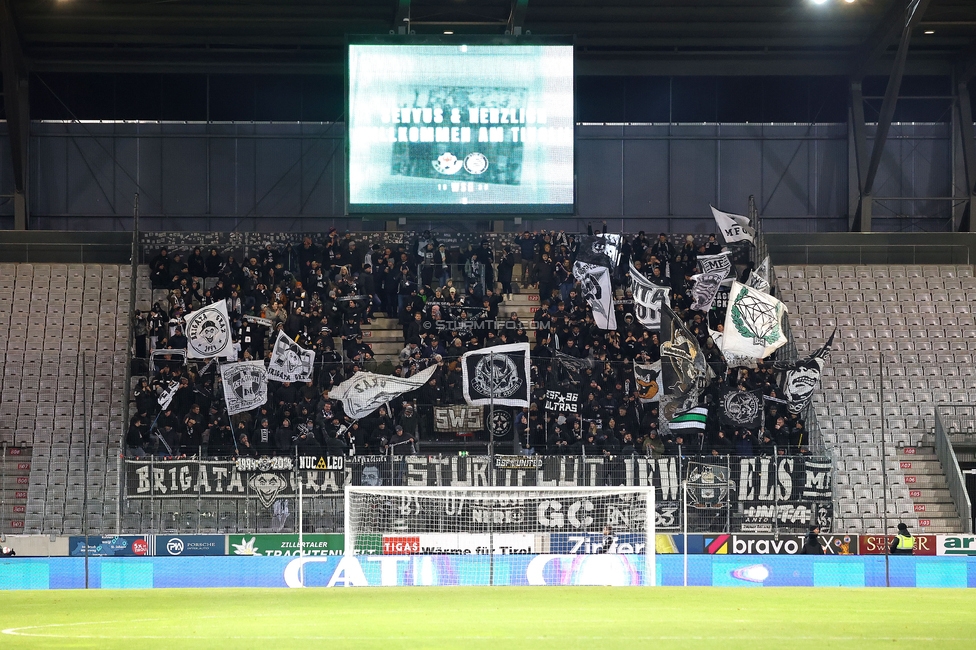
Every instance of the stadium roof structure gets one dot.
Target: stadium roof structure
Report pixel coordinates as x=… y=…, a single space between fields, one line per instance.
x=671 y=37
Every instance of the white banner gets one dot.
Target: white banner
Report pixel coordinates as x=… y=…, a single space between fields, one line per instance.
x=648 y=298
x=732 y=360
x=365 y=392
x=290 y=361
x=245 y=385
x=208 y=332
x=598 y=293
x=734 y=227
x=753 y=323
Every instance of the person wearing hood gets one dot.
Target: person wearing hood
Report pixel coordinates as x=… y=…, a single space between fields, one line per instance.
x=812 y=544
x=904 y=542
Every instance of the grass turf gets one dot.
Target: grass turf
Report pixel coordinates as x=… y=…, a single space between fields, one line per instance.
x=496 y=618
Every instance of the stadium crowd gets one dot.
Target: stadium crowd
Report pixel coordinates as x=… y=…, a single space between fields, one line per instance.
x=447 y=303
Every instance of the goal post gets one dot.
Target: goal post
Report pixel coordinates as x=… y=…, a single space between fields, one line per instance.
x=564 y=524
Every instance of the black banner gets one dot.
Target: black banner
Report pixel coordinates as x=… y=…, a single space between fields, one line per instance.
x=562 y=401
x=754 y=480
x=742 y=408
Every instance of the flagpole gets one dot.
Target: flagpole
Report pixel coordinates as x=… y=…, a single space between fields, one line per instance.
x=491 y=412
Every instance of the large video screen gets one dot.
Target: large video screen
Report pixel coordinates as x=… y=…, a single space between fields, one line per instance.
x=458 y=128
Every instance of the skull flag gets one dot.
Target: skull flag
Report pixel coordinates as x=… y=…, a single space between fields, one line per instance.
x=208 y=332
x=290 y=361
x=497 y=376
x=802 y=379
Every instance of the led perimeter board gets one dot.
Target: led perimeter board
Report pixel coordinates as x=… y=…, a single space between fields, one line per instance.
x=451 y=126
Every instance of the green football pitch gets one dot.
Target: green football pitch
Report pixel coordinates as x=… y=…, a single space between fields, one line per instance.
x=496 y=618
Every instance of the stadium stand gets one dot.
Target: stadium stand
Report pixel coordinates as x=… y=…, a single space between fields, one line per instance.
x=57 y=321
x=904 y=345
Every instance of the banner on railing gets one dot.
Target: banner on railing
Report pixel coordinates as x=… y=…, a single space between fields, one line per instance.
x=763 y=492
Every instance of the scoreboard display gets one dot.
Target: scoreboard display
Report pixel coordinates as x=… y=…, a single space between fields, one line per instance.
x=460 y=128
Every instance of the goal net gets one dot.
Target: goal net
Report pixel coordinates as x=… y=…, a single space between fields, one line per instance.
x=510 y=535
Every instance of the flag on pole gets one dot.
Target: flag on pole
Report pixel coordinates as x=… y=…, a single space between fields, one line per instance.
x=759 y=278
x=167 y=395
x=732 y=360
x=601 y=250
x=245 y=385
x=498 y=376
x=753 y=323
x=648 y=298
x=802 y=381
x=365 y=392
x=684 y=370
x=734 y=227
x=598 y=291
x=290 y=361
x=208 y=332
x=692 y=420
x=705 y=289
x=647 y=379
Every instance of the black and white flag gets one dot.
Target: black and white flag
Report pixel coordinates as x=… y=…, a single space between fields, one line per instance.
x=741 y=408
x=365 y=392
x=498 y=375
x=714 y=263
x=598 y=292
x=684 y=369
x=600 y=250
x=759 y=279
x=734 y=227
x=562 y=401
x=816 y=483
x=648 y=298
x=167 y=395
x=208 y=332
x=732 y=360
x=647 y=378
x=290 y=361
x=245 y=385
x=705 y=289
x=753 y=323
x=569 y=366
x=802 y=380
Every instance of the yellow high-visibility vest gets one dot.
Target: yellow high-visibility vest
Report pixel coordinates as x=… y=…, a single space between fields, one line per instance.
x=905 y=542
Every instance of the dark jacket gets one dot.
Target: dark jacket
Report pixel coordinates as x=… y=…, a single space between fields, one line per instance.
x=811 y=545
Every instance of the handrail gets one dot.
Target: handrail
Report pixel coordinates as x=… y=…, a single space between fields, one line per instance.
x=953 y=474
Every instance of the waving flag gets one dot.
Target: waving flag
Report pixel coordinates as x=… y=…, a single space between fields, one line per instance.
x=208 y=332
x=734 y=227
x=753 y=323
x=365 y=392
x=498 y=376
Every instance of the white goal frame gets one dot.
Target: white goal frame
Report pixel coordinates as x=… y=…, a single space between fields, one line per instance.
x=647 y=492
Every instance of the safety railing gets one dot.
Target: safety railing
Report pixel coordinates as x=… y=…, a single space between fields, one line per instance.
x=954 y=478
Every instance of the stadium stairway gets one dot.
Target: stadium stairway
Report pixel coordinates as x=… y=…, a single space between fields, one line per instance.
x=15 y=465
x=906 y=336
x=50 y=315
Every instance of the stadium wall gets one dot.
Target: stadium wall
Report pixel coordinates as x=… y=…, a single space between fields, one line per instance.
x=568 y=542
x=656 y=177
x=515 y=570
